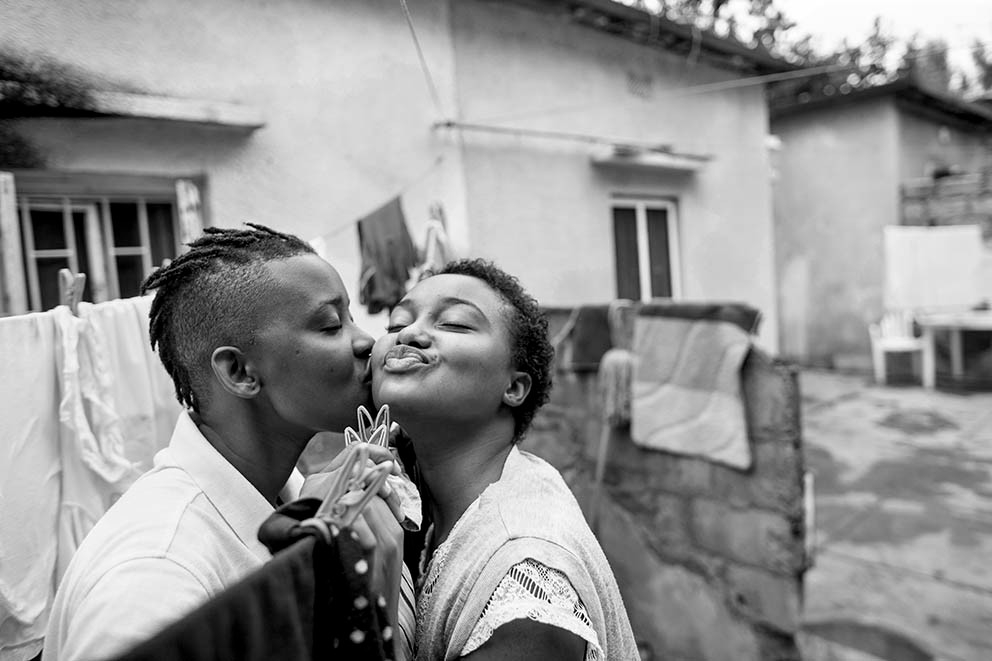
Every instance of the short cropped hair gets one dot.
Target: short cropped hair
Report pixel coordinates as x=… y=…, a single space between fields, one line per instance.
x=531 y=351
x=205 y=298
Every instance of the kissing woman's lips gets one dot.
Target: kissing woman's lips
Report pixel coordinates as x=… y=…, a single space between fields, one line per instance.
x=403 y=358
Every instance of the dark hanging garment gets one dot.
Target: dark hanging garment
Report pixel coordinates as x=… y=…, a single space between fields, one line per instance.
x=388 y=255
x=311 y=601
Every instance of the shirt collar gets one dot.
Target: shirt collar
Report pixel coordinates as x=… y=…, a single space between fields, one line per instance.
x=237 y=501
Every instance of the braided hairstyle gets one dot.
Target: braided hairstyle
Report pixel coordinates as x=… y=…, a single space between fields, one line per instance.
x=206 y=297
x=531 y=351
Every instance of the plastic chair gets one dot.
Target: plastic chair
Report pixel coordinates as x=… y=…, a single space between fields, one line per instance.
x=894 y=334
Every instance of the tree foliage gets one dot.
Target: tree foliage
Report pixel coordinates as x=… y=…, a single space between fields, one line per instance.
x=879 y=59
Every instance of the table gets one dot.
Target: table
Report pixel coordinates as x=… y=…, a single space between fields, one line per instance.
x=955 y=322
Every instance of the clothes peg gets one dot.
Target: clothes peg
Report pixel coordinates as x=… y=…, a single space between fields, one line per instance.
x=353 y=487
x=71 y=289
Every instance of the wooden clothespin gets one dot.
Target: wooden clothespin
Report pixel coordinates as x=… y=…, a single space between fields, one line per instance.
x=71 y=289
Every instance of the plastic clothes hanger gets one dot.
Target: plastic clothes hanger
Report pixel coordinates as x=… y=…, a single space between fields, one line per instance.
x=356 y=483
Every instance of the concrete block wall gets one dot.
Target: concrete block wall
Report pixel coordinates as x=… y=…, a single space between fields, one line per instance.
x=710 y=559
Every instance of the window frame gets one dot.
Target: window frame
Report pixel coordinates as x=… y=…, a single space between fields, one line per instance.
x=641 y=204
x=93 y=194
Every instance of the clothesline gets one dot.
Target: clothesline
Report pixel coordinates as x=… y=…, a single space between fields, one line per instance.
x=406 y=187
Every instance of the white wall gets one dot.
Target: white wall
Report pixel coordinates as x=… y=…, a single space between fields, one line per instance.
x=513 y=62
x=348 y=124
x=837 y=186
x=346 y=109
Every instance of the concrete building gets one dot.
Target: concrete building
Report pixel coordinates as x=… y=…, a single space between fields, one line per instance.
x=840 y=170
x=569 y=141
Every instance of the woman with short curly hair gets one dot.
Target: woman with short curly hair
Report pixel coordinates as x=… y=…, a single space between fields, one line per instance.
x=510 y=569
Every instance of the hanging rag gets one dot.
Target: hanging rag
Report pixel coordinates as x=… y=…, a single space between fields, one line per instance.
x=388 y=255
x=142 y=392
x=95 y=471
x=312 y=600
x=687 y=395
x=433 y=253
x=29 y=482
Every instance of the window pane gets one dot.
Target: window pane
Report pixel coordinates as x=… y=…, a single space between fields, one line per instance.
x=161 y=232
x=48 y=229
x=130 y=273
x=124 y=220
x=82 y=254
x=48 y=279
x=661 y=267
x=625 y=244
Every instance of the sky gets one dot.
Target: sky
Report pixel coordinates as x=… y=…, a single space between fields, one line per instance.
x=958 y=22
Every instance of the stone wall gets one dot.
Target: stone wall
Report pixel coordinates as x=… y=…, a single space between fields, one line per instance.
x=710 y=560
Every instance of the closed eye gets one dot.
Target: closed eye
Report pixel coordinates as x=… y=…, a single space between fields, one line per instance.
x=456 y=326
x=395 y=328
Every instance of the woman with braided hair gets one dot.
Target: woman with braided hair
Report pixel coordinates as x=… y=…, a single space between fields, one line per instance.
x=254 y=329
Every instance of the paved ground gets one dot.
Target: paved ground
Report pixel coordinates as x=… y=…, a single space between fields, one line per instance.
x=903 y=490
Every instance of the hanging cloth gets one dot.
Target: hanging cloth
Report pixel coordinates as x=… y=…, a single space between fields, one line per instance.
x=313 y=600
x=29 y=482
x=388 y=255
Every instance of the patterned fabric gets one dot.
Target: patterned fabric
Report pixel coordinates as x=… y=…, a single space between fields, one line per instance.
x=281 y=529
x=529 y=513
x=536 y=592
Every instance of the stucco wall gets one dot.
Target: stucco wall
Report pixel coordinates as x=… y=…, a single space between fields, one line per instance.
x=338 y=83
x=836 y=187
x=558 y=204
x=348 y=124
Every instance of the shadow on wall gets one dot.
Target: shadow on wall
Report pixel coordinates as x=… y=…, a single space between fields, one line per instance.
x=878 y=641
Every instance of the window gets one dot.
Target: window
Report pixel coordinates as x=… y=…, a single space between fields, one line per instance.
x=115 y=229
x=645 y=234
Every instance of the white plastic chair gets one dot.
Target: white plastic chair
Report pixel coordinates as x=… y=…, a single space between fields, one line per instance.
x=894 y=334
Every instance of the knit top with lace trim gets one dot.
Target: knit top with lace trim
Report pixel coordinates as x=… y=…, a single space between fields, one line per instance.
x=522 y=550
x=529 y=590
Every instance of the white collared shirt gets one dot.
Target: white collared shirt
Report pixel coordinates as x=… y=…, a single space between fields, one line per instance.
x=185 y=531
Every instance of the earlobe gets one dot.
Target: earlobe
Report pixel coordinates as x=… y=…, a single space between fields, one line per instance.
x=232 y=371
x=517 y=391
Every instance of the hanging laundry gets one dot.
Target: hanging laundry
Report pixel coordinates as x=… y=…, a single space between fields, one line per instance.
x=140 y=389
x=29 y=482
x=435 y=249
x=687 y=395
x=84 y=409
x=388 y=255
x=312 y=600
x=91 y=442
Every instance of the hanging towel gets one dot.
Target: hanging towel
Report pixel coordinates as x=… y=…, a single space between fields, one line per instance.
x=388 y=255
x=687 y=394
x=95 y=471
x=140 y=390
x=29 y=482
x=433 y=253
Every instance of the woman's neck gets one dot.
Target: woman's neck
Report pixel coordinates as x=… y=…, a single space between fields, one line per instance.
x=457 y=469
x=265 y=460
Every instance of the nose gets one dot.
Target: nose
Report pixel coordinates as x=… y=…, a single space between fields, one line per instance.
x=361 y=343
x=414 y=335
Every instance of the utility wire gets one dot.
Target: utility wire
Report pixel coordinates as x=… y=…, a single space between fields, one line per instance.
x=432 y=88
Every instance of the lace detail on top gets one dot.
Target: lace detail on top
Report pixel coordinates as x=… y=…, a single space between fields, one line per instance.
x=534 y=591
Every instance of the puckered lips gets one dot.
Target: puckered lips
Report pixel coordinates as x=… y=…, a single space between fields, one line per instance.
x=404 y=358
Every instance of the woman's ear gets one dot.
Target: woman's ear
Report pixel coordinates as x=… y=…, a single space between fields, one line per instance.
x=233 y=372
x=518 y=389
